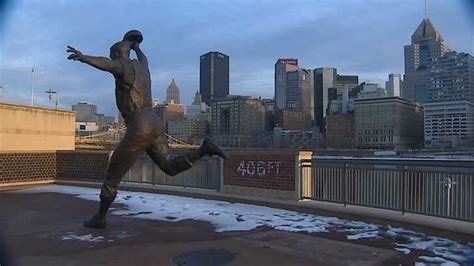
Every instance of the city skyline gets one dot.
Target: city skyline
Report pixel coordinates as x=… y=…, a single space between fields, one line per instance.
x=34 y=35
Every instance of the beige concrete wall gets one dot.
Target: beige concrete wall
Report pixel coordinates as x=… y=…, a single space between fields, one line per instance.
x=27 y=128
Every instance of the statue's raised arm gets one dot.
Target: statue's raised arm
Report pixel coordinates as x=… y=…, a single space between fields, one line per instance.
x=140 y=55
x=102 y=63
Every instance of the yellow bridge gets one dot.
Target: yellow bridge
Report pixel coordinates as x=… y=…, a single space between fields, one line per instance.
x=111 y=138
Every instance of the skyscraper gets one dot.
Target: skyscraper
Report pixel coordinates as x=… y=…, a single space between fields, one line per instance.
x=393 y=85
x=172 y=93
x=294 y=87
x=452 y=78
x=299 y=88
x=214 y=76
x=449 y=111
x=346 y=82
x=324 y=79
x=197 y=98
x=282 y=67
x=427 y=43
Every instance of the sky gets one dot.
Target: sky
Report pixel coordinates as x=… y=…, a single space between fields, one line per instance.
x=364 y=38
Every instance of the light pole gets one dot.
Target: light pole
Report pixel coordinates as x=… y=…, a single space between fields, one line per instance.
x=32 y=86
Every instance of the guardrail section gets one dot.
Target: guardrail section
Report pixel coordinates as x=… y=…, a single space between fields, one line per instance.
x=442 y=188
x=205 y=173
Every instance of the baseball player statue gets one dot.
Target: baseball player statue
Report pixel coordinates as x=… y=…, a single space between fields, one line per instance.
x=145 y=131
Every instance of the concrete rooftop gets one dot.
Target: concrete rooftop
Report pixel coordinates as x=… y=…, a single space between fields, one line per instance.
x=44 y=228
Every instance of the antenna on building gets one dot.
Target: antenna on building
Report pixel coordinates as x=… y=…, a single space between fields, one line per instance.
x=426 y=8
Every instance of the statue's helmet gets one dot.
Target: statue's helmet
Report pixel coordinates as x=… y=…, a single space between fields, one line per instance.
x=133 y=36
x=122 y=49
x=119 y=50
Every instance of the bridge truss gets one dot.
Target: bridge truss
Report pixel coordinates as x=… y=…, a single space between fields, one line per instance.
x=112 y=137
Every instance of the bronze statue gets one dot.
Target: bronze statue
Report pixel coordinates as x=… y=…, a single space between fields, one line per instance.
x=145 y=131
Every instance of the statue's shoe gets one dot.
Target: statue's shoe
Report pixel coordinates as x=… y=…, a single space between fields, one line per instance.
x=213 y=149
x=96 y=221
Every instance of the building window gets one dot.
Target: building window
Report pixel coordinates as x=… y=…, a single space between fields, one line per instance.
x=225 y=121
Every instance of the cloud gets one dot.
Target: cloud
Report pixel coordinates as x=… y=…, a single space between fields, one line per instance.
x=357 y=37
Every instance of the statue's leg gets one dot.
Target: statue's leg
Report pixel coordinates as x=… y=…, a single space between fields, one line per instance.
x=123 y=157
x=159 y=153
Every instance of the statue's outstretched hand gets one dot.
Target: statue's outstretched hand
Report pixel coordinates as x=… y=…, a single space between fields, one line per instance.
x=75 y=54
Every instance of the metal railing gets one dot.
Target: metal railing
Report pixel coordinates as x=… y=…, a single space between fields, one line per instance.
x=205 y=173
x=442 y=188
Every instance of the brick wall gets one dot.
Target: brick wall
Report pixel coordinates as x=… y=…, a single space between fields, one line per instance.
x=261 y=169
x=27 y=166
x=50 y=165
x=82 y=164
x=268 y=173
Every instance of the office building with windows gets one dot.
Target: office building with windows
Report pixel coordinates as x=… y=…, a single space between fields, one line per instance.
x=394 y=85
x=214 y=76
x=388 y=123
x=235 y=119
x=449 y=112
x=427 y=43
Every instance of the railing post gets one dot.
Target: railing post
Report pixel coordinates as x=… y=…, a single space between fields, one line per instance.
x=299 y=173
x=344 y=183
x=183 y=183
x=404 y=168
x=153 y=166
x=220 y=162
x=301 y=180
